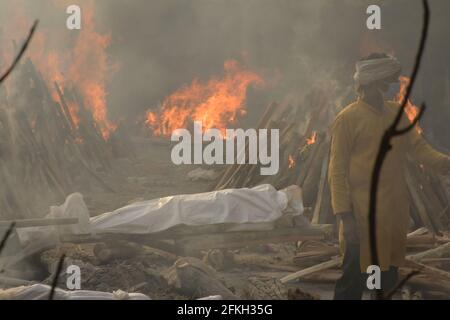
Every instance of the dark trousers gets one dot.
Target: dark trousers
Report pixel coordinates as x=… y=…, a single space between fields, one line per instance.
x=351 y=284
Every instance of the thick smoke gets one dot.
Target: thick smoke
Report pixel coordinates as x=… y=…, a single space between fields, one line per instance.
x=160 y=45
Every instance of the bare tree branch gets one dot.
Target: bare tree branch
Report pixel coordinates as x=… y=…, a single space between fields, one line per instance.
x=3 y=78
x=6 y=236
x=56 y=276
x=21 y=52
x=385 y=144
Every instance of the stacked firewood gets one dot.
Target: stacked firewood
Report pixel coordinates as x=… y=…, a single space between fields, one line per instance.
x=42 y=148
x=429 y=198
x=304 y=157
x=304 y=148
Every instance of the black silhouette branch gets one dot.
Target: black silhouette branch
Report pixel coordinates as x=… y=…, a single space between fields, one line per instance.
x=3 y=78
x=402 y=283
x=385 y=144
x=5 y=239
x=56 y=277
x=21 y=52
x=6 y=236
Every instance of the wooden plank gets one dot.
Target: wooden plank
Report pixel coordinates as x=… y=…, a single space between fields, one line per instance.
x=313 y=151
x=232 y=170
x=416 y=199
x=249 y=238
x=318 y=267
x=436 y=260
x=438 y=252
x=427 y=269
x=26 y=223
x=429 y=198
x=8 y=281
x=322 y=183
x=418 y=232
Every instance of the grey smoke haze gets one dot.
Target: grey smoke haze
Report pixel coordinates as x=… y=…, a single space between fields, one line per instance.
x=161 y=45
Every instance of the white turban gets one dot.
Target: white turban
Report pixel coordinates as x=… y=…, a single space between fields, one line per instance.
x=368 y=71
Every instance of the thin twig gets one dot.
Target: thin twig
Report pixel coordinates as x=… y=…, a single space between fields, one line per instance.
x=385 y=144
x=56 y=276
x=21 y=52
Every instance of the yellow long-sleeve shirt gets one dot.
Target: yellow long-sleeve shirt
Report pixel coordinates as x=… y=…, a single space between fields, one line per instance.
x=356 y=135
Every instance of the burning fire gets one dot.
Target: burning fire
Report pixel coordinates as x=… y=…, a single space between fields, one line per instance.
x=410 y=109
x=312 y=139
x=90 y=68
x=291 y=162
x=215 y=103
x=79 y=61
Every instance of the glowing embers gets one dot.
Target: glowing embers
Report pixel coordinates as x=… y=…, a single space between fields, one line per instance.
x=312 y=139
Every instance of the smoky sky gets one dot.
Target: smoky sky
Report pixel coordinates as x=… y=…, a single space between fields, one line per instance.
x=161 y=45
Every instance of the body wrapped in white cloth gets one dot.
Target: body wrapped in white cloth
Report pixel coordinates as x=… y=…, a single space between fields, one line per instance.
x=261 y=204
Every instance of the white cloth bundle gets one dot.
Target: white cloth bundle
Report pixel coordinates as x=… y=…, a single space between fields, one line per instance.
x=259 y=204
x=368 y=71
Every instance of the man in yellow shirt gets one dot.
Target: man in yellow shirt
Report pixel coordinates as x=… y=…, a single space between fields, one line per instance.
x=356 y=135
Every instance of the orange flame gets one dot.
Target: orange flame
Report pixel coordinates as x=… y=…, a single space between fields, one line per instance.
x=81 y=60
x=291 y=162
x=312 y=139
x=89 y=70
x=411 y=110
x=215 y=103
x=73 y=110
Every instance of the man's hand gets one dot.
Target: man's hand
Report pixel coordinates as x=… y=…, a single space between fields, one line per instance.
x=350 y=227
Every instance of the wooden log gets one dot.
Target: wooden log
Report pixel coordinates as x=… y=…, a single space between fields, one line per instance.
x=429 y=199
x=327 y=276
x=319 y=267
x=195 y=279
x=306 y=166
x=438 y=252
x=425 y=239
x=106 y=252
x=249 y=238
x=314 y=257
x=14 y=282
x=435 y=260
x=244 y=172
x=419 y=231
x=318 y=209
x=253 y=174
x=424 y=268
x=67 y=115
x=26 y=223
x=230 y=171
x=425 y=281
x=160 y=253
x=418 y=203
